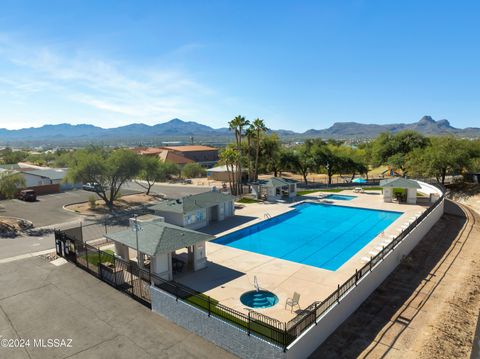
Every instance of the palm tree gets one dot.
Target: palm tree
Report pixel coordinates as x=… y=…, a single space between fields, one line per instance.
x=250 y=134
x=229 y=156
x=237 y=125
x=259 y=127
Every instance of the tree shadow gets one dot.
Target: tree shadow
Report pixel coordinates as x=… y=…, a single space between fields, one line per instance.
x=403 y=287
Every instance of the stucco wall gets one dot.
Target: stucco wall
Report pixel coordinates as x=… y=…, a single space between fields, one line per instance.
x=313 y=337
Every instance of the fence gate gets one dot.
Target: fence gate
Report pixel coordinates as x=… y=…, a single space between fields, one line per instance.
x=65 y=247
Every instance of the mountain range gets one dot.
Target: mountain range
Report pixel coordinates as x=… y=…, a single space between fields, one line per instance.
x=178 y=130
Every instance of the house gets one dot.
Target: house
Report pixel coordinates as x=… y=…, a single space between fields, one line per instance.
x=204 y=155
x=165 y=155
x=196 y=211
x=220 y=173
x=275 y=188
x=159 y=241
x=43 y=180
x=407 y=185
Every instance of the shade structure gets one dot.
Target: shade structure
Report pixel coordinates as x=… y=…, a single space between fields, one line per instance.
x=359 y=180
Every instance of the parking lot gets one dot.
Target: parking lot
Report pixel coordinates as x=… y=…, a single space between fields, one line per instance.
x=48 y=209
x=41 y=301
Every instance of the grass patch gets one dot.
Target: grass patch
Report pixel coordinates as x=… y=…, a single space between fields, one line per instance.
x=201 y=301
x=332 y=190
x=247 y=200
x=95 y=258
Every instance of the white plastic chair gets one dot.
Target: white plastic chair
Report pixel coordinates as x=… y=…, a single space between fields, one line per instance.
x=294 y=301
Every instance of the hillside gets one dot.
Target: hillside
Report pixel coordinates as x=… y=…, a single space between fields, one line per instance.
x=178 y=130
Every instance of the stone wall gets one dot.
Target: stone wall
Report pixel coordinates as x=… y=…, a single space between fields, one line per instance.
x=221 y=333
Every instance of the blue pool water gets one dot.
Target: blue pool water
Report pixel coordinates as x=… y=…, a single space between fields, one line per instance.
x=340 y=197
x=320 y=235
x=259 y=299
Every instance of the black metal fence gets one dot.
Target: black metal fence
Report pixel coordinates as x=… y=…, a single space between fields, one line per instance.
x=309 y=316
x=134 y=281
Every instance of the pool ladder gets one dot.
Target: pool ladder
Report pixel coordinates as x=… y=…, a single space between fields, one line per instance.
x=255 y=283
x=267 y=215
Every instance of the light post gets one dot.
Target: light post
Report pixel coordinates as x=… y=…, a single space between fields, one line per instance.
x=136 y=227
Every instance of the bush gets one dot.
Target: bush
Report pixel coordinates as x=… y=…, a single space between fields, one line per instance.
x=92 y=201
x=193 y=170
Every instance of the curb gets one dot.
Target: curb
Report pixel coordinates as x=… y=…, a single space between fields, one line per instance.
x=27 y=255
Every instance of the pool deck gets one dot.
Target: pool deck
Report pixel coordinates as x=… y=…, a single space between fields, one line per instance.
x=231 y=271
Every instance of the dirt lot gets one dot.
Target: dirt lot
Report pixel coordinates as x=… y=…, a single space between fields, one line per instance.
x=428 y=307
x=101 y=208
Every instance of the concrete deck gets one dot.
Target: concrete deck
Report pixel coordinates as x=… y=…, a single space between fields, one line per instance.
x=231 y=271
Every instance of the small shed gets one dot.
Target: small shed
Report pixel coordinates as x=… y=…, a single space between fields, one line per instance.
x=409 y=185
x=159 y=241
x=275 y=188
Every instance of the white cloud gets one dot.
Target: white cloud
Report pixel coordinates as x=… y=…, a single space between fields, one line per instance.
x=105 y=85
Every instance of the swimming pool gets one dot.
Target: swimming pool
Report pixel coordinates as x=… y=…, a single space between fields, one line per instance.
x=340 y=197
x=320 y=235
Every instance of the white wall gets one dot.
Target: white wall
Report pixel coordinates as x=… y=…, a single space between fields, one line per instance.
x=161 y=265
x=316 y=334
x=238 y=342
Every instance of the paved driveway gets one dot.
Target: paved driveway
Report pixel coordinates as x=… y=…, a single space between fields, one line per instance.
x=41 y=301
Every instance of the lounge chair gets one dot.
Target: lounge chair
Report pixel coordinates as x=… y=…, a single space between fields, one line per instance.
x=293 y=301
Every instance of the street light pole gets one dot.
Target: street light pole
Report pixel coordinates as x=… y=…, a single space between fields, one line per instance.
x=136 y=238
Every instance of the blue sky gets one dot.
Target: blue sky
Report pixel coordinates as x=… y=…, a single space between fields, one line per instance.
x=296 y=64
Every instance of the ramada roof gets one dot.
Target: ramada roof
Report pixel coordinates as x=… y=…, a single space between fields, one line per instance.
x=159 y=237
x=275 y=182
x=399 y=182
x=193 y=202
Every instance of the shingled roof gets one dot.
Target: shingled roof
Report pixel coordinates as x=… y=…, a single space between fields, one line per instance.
x=275 y=182
x=159 y=237
x=399 y=182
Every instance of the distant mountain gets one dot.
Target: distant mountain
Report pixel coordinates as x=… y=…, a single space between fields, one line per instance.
x=178 y=130
x=427 y=125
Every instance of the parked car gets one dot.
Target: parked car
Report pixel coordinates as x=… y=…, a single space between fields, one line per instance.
x=92 y=187
x=28 y=195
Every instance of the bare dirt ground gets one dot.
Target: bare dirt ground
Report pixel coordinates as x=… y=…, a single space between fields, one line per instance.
x=100 y=208
x=428 y=307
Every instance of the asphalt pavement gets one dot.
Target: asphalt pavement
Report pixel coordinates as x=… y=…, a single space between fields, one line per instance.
x=48 y=212
x=39 y=301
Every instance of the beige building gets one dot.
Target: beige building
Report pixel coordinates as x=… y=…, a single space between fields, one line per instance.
x=196 y=211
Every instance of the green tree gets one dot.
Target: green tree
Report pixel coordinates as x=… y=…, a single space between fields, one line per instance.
x=10 y=183
x=444 y=156
x=393 y=149
x=110 y=169
x=258 y=126
x=230 y=157
x=237 y=125
x=8 y=156
x=193 y=170
x=301 y=160
x=153 y=170
x=271 y=155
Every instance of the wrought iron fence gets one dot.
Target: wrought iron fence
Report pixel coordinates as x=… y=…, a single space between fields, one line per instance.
x=129 y=278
